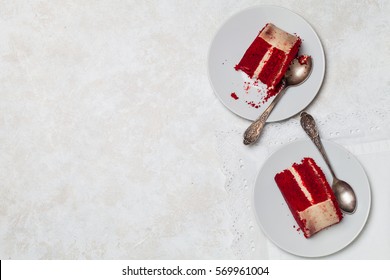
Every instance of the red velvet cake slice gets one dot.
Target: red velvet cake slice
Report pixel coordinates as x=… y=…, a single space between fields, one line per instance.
x=309 y=196
x=269 y=55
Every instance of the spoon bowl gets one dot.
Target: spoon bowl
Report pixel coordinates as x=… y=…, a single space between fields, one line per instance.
x=343 y=192
x=345 y=195
x=298 y=71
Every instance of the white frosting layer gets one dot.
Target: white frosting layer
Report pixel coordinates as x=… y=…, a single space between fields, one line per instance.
x=319 y=216
x=265 y=58
x=278 y=38
x=298 y=178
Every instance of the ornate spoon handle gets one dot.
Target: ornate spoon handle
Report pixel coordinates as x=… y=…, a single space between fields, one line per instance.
x=309 y=126
x=252 y=133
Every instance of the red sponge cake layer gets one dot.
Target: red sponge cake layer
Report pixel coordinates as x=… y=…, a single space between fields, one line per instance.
x=309 y=196
x=269 y=55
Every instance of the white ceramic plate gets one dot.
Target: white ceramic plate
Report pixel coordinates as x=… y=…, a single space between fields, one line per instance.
x=275 y=218
x=230 y=44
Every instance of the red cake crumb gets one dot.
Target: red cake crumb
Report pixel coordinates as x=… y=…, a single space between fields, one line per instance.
x=234 y=96
x=303 y=59
x=256 y=94
x=253 y=104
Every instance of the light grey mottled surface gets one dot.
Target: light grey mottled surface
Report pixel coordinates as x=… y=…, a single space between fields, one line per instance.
x=107 y=122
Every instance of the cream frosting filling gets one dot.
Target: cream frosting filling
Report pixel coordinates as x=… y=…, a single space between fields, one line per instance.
x=298 y=178
x=319 y=216
x=278 y=38
x=265 y=58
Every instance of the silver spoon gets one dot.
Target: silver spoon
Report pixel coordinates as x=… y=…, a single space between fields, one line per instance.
x=343 y=191
x=296 y=74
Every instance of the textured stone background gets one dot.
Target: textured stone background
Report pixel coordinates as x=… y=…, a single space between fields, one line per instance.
x=107 y=121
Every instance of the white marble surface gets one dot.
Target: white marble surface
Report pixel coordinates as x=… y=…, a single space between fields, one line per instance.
x=108 y=120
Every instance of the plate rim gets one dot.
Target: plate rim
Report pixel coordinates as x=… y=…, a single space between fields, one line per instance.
x=260 y=6
x=352 y=239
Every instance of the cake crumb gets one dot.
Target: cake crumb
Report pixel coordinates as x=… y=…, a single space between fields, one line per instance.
x=234 y=96
x=303 y=59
